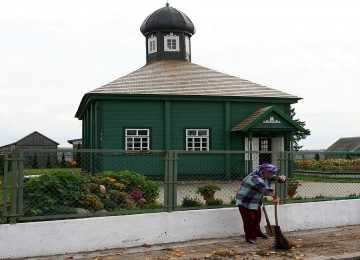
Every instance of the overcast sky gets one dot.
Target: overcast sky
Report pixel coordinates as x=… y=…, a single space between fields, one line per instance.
x=53 y=52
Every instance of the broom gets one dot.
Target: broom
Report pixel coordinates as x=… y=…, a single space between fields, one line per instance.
x=280 y=241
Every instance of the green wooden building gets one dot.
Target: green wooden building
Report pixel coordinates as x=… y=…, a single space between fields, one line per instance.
x=174 y=104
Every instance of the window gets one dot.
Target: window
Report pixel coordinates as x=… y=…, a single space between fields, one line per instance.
x=137 y=139
x=152 y=44
x=187 y=44
x=171 y=42
x=197 y=139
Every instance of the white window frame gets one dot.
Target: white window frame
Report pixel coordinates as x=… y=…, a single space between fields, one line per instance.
x=152 y=44
x=171 y=38
x=197 y=139
x=137 y=139
x=187 y=44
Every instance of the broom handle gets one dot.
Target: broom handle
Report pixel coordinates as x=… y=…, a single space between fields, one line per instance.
x=276 y=191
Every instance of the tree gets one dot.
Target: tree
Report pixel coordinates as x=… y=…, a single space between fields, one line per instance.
x=78 y=158
x=48 y=161
x=35 y=163
x=63 y=162
x=297 y=134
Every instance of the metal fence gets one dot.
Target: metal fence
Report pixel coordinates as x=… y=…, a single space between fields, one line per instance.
x=85 y=183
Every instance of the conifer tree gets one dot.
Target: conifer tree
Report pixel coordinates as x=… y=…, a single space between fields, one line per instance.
x=35 y=163
x=78 y=158
x=299 y=135
x=63 y=162
x=48 y=161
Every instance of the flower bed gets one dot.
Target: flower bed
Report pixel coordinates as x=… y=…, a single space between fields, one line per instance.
x=328 y=165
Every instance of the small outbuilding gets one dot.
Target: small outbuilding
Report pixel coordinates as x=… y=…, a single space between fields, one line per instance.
x=34 y=140
x=345 y=144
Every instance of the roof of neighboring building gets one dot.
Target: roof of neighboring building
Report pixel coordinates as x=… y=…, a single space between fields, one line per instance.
x=33 y=133
x=345 y=144
x=74 y=141
x=173 y=77
x=167 y=19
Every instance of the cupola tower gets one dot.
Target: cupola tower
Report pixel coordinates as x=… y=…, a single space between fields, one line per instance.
x=167 y=32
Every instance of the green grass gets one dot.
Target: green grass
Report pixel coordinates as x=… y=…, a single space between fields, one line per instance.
x=326 y=179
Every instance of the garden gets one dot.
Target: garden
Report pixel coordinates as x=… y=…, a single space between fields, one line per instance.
x=64 y=189
x=328 y=165
x=71 y=192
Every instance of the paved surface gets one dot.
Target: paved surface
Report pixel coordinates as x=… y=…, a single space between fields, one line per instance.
x=318 y=244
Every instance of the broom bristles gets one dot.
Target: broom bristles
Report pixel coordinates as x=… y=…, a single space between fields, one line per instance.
x=280 y=241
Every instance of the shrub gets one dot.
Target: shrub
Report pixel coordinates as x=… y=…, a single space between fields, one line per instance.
x=46 y=193
x=188 y=202
x=215 y=202
x=120 y=197
x=2 y=164
x=108 y=204
x=48 y=161
x=63 y=162
x=35 y=163
x=317 y=157
x=128 y=181
x=207 y=189
x=93 y=202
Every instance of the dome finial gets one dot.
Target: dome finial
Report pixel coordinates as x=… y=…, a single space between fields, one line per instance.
x=167 y=4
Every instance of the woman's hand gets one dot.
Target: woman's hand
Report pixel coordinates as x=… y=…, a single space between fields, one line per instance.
x=276 y=200
x=281 y=178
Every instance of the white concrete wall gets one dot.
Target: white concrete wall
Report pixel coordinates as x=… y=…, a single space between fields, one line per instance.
x=70 y=236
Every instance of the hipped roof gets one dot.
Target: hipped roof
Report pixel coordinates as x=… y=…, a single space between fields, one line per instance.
x=183 y=78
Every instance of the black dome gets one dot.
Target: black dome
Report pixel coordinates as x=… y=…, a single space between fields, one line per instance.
x=167 y=19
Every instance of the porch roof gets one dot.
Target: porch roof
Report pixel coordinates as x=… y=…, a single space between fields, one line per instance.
x=268 y=118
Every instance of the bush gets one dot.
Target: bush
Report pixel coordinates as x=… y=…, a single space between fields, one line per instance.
x=45 y=194
x=317 y=157
x=215 y=202
x=63 y=162
x=191 y=202
x=35 y=163
x=128 y=181
x=2 y=164
x=120 y=197
x=208 y=189
x=48 y=162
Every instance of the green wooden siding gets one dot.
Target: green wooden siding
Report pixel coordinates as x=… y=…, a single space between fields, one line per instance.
x=197 y=115
x=118 y=115
x=104 y=124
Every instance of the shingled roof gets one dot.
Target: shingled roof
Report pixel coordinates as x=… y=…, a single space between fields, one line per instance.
x=173 y=77
x=346 y=144
x=259 y=115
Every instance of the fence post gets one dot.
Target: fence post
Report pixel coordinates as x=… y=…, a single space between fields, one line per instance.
x=5 y=187
x=14 y=187
x=20 y=183
x=282 y=192
x=170 y=184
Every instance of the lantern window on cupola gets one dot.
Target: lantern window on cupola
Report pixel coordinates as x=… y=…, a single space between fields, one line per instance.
x=171 y=42
x=152 y=44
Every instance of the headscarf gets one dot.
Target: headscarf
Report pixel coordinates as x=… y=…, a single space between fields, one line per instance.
x=266 y=168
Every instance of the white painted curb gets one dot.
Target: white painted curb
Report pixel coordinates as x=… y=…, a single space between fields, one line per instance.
x=80 y=235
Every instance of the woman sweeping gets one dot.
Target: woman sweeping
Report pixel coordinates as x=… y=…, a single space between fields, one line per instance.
x=249 y=199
